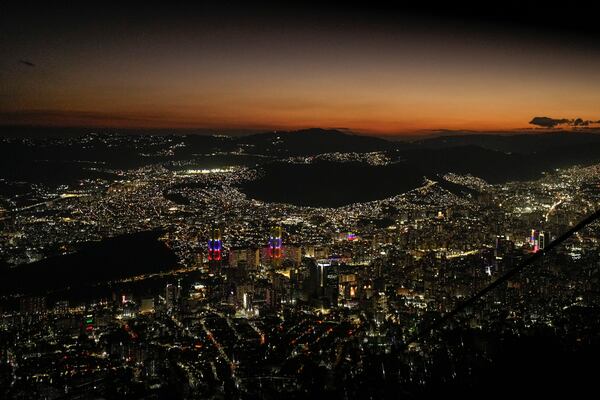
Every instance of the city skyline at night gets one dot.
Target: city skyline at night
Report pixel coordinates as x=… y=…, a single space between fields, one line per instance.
x=299 y=200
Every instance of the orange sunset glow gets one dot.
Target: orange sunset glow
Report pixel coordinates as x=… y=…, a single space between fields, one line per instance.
x=230 y=74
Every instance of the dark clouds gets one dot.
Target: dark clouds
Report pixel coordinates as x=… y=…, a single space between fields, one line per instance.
x=547 y=122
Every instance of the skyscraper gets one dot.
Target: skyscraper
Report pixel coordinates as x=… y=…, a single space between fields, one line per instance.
x=171 y=295
x=542 y=240
x=214 y=249
x=275 y=246
x=214 y=245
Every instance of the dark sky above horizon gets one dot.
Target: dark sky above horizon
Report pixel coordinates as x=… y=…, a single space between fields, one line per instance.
x=383 y=70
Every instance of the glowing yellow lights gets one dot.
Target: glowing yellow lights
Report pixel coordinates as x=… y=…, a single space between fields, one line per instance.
x=208 y=171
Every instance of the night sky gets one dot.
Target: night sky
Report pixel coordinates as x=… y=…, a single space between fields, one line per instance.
x=382 y=70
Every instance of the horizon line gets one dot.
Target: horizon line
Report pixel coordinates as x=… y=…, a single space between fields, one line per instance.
x=233 y=132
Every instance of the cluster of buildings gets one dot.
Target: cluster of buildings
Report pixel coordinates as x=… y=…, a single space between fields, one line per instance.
x=275 y=299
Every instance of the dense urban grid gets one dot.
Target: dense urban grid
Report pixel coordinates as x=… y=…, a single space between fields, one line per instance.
x=261 y=299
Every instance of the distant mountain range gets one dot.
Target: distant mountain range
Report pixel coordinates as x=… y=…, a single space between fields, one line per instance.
x=517 y=143
x=317 y=140
x=313 y=141
x=495 y=158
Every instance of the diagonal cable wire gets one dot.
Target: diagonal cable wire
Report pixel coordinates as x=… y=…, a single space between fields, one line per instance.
x=440 y=322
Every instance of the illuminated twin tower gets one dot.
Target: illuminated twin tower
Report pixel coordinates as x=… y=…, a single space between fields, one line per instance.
x=275 y=246
x=215 y=245
x=274 y=249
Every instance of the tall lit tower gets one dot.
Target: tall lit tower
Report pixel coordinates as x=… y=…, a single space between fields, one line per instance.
x=214 y=247
x=532 y=238
x=275 y=245
x=542 y=240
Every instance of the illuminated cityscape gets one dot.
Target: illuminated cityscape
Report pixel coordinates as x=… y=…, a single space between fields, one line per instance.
x=158 y=243
x=274 y=289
